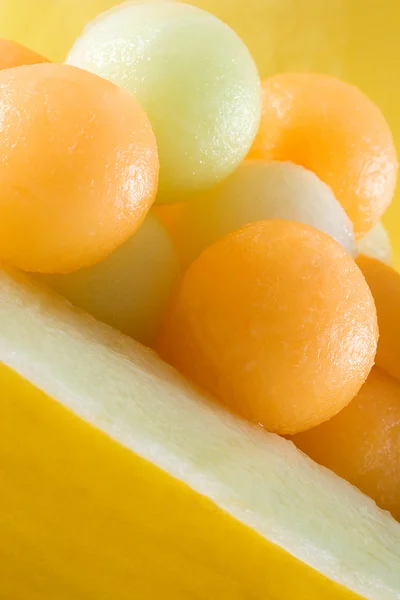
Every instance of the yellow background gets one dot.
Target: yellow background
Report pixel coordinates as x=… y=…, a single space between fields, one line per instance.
x=357 y=40
x=70 y=489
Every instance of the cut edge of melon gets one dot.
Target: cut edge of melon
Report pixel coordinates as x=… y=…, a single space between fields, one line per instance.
x=260 y=479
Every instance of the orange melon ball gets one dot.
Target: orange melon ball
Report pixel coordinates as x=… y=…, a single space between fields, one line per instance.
x=276 y=320
x=333 y=129
x=79 y=167
x=13 y=54
x=384 y=283
x=362 y=442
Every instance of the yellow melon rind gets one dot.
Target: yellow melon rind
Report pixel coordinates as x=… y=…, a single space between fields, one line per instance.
x=262 y=481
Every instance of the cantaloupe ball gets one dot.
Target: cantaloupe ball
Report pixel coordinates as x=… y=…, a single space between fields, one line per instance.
x=13 y=54
x=129 y=289
x=362 y=443
x=384 y=283
x=194 y=77
x=376 y=244
x=333 y=129
x=277 y=321
x=78 y=169
x=256 y=191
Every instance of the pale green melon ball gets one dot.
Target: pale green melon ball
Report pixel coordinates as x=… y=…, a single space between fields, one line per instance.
x=256 y=191
x=129 y=289
x=194 y=77
x=377 y=244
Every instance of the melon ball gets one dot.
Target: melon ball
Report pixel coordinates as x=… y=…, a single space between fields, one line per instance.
x=79 y=167
x=362 y=443
x=277 y=322
x=376 y=244
x=13 y=54
x=130 y=288
x=256 y=191
x=195 y=79
x=384 y=283
x=333 y=129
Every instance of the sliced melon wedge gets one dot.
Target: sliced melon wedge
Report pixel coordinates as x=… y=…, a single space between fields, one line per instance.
x=120 y=480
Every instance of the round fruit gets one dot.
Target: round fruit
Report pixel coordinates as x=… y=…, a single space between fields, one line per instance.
x=78 y=171
x=277 y=321
x=333 y=129
x=362 y=442
x=129 y=289
x=194 y=77
x=13 y=54
x=376 y=244
x=384 y=283
x=256 y=191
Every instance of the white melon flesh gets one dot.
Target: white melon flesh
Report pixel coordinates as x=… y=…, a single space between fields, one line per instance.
x=260 y=480
x=258 y=190
x=193 y=76
x=377 y=244
x=131 y=287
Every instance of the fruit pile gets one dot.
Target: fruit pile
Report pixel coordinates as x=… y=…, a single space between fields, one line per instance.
x=243 y=276
x=234 y=227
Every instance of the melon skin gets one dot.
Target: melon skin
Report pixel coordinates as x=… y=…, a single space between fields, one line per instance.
x=114 y=467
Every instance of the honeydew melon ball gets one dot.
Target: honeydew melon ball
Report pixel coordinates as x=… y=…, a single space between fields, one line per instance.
x=258 y=190
x=129 y=289
x=377 y=244
x=194 y=77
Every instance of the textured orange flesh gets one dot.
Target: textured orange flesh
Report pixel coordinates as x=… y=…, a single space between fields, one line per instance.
x=79 y=167
x=384 y=283
x=13 y=54
x=362 y=443
x=277 y=321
